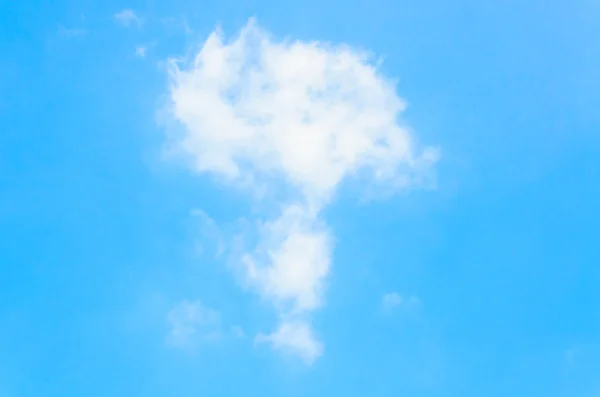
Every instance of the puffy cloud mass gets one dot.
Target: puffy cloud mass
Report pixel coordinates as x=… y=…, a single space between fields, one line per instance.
x=292 y=119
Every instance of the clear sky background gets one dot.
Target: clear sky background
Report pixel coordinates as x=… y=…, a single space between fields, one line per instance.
x=118 y=267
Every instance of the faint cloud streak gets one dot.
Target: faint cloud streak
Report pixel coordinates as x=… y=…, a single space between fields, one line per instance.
x=128 y=18
x=191 y=323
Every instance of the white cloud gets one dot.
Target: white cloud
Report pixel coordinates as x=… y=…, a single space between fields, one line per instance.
x=393 y=299
x=191 y=323
x=296 y=338
x=291 y=120
x=292 y=260
x=128 y=18
x=306 y=112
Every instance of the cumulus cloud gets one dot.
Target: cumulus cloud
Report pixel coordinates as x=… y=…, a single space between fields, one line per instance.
x=191 y=323
x=128 y=18
x=289 y=121
x=292 y=260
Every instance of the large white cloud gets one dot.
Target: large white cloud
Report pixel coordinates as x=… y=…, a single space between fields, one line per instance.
x=294 y=117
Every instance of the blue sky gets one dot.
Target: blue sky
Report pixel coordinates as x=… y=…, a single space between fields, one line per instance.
x=127 y=238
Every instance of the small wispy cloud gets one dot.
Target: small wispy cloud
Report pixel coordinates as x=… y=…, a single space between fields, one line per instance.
x=238 y=331
x=141 y=51
x=192 y=323
x=177 y=23
x=394 y=300
x=128 y=18
x=210 y=233
x=71 y=32
x=186 y=27
x=571 y=355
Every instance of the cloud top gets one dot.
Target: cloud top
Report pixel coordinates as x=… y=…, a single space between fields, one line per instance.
x=307 y=112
